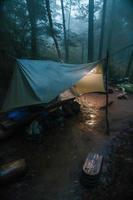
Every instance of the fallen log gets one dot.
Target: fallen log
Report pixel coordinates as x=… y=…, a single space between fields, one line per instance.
x=12 y=170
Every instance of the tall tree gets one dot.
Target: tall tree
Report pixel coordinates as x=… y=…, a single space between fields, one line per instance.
x=31 y=5
x=52 y=28
x=82 y=51
x=102 y=30
x=129 y=65
x=64 y=29
x=91 y=31
x=69 y=25
x=111 y=25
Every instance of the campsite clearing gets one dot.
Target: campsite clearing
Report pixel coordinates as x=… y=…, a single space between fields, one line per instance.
x=54 y=166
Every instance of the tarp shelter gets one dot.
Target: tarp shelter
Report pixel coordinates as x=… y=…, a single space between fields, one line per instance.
x=37 y=81
x=92 y=82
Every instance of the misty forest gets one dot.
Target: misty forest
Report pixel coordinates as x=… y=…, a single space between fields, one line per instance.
x=68 y=30
x=66 y=98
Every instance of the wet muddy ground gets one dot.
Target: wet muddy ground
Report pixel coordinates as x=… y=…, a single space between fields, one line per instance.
x=55 y=164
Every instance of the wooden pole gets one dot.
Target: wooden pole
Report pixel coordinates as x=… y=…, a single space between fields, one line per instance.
x=107 y=96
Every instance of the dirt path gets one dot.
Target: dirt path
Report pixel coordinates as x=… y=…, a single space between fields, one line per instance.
x=54 y=166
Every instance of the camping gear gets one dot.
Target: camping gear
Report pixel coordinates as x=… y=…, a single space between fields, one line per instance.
x=34 y=129
x=71 y=108
x=91 y=82
x=39 y=82
x=6 y=127
x=122 y=95
x=10 y=123
x=15 y=120
x=91 y=170
x=126 y=87
x=12 y=170
x=17 y=114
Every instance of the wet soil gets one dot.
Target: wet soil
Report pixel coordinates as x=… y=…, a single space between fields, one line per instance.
x=54 y=165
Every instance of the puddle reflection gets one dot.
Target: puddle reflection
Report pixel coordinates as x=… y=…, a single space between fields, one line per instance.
x=92 y=120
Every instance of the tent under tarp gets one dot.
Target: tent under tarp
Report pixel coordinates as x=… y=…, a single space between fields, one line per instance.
x=92 y=82
x=37 y=81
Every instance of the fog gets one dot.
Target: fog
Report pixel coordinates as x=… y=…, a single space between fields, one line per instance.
x=38 y=30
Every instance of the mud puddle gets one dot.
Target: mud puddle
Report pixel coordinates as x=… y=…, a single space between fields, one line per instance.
x=54 y=166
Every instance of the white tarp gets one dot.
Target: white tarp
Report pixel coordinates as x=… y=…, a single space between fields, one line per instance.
x=37 y=81
x=92 y=82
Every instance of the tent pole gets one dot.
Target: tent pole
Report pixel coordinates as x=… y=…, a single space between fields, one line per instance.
x=107 y=60
x=107 y=96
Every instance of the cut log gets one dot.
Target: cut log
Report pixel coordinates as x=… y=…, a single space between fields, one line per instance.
x=12 y=170
x=91 y=170
x=6 y=124
x=93 y=164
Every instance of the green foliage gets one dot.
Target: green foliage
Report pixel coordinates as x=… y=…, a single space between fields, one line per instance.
x=15 y=29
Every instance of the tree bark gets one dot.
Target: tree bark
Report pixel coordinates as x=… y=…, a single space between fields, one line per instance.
x=102 y=30
x=91 y=31
x=32 y=16
x=64 y=29
x=2 y=8
x=52 y=28
x=82 y=54
x=69 y=24
x=129 y=65
x=111 y=25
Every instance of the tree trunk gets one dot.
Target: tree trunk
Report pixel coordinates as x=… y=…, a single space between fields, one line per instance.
x=102 y=30
x=129 y=65
x=52 y=29
x=111 y=25
x=64 y=29
x=69 y=24
x=82 y=54
x=2 y=8
x=32 y=16
x=91 y=31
